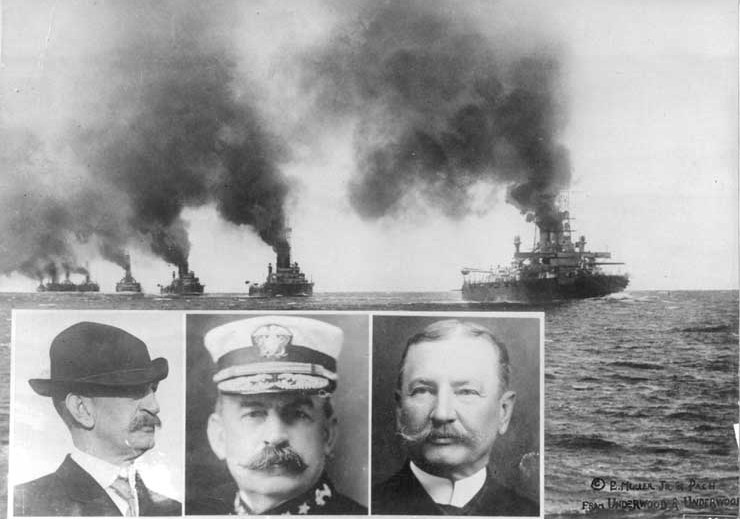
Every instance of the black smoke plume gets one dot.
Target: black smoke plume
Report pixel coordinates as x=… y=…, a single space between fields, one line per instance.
x=440 y=110
x=152 y=118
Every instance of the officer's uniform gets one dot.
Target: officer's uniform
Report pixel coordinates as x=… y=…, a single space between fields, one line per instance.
x=275 y=354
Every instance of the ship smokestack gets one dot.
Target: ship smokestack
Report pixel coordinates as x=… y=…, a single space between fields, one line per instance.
x=51 y=268
x=517 y=242
x=182 y=269
x=127 y=265
x=283 y=251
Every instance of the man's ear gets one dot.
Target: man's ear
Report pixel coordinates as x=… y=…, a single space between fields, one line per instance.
x=216 y=433
x=331 y=431
x=506 y=408
x=82 y=410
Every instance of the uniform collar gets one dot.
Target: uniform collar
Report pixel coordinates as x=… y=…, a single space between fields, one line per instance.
x=448 y=492
x=309 y=502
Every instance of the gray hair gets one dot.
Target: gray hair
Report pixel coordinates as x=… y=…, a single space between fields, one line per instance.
x=440 y=330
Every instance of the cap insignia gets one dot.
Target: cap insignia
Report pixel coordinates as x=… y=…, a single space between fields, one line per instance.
x=272 y=340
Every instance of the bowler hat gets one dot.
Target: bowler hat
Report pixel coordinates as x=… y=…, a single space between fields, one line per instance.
x=94 y=354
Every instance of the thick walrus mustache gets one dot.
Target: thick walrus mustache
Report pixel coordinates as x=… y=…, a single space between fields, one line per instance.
x=143 y=421
x=276 y=456
x=429 y=433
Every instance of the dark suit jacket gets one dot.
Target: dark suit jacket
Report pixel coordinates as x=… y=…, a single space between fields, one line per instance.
x=221 y=502
x=71 y=491
x=403 y=494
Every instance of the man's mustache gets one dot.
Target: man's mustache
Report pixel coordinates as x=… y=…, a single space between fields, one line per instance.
x=276 y=456
x=144 y=420
x=431 y=433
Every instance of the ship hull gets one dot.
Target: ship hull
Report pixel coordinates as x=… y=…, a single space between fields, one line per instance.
x=179 y=291
x=544 y=290
x=178 y=288
x=128 y=288
x=66 y=288
x=269 y=290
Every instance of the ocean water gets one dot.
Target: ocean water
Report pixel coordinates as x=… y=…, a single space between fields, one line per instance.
x=641 y=391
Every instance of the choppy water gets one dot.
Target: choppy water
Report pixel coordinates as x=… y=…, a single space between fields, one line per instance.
x=640 y=388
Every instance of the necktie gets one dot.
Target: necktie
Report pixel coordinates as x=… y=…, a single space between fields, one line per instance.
x=123 y=489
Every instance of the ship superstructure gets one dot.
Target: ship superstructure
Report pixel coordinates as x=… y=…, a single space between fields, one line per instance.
x=184 y=283
x=555 y=269
x=286 y=279
x=128 y=283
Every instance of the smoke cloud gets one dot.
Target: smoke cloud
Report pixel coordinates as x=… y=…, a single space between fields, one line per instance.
x=152 y=118
x=143 y=109
x=440 y=110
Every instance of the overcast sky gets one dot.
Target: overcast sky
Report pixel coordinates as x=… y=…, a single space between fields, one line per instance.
x=647 y=106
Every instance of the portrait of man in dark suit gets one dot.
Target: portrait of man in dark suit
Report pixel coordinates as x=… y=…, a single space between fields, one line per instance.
x=103 y=386
x=274 y=425
x=454 y=400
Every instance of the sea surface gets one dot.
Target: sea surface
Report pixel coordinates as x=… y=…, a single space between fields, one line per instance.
x=641 y=391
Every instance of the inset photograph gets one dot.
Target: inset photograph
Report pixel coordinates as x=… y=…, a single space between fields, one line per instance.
x=277 y=414
x=456 y=414
x=97 y=425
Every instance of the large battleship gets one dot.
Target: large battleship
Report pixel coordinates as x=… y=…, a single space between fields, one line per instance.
x=67 y=285
x=185 y=283
x=556 y=269
x=286 y=279
x=128 y=283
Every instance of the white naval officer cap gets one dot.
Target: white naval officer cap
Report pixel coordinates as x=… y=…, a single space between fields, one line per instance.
x=275 y=354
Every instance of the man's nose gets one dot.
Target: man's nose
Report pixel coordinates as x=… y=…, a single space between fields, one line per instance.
x=150 y=403
x=274 y=430
x=444 y=406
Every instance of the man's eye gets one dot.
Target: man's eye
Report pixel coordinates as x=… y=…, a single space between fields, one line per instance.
x=467 y=392
x=299 y=415
x=254 y=414
x=420 y=390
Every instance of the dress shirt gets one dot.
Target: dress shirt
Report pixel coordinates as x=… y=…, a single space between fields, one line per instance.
x=448 y=492
x=105 y=474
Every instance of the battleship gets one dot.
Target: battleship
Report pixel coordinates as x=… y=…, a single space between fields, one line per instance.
x=128 y=283
x=67 y=285
x=556 y=269
x=286 y=280
x=184 y=283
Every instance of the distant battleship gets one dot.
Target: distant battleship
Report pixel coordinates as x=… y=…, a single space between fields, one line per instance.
x=286 y=280
x=186 y=284
x=556 y=269
x=128 y=283
x=67 y=285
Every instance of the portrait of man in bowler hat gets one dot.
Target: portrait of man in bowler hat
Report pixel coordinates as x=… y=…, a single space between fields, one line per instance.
x=103 y=385
x=455 y=397
x=274 y=423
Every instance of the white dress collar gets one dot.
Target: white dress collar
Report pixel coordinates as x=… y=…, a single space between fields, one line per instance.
x=447 y=492
x=105 y=473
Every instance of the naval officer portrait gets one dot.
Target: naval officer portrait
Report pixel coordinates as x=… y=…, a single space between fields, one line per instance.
x=273 y=424
x=103 y=387
x=463 y=445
